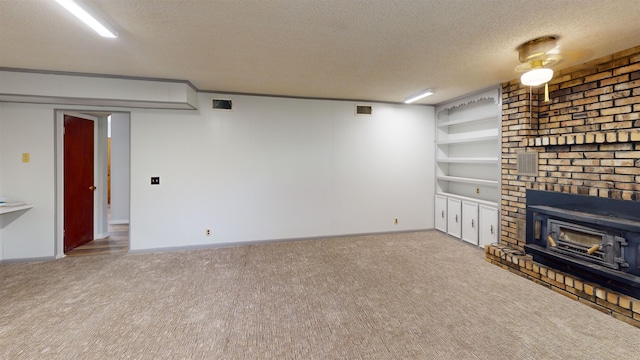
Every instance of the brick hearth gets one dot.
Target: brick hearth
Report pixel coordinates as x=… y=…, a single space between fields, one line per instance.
x=620 y=306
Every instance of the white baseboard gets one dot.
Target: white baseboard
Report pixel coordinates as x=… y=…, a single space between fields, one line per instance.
x=33 y=259
x=260 y=242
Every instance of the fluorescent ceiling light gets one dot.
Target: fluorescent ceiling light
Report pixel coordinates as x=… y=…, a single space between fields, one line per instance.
x=89 y=17
x=536 y=77
x=418 y=96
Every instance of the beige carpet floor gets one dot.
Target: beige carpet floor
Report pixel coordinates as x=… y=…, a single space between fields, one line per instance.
x=419 y=295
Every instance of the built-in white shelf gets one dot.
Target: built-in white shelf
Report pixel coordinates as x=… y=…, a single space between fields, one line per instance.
x=469 y=160
x=12 y=207
x=466 y=121
x=492 y=183
x=467 y=167
x=468 y=140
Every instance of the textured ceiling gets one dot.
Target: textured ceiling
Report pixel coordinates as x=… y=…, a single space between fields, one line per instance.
x=377 y=50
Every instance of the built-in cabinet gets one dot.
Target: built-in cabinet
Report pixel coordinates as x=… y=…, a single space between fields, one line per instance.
x=487 y=225
x=468 y=167
x=470 y=222
x=474 y=221
x=454 y=217
x=441 y=213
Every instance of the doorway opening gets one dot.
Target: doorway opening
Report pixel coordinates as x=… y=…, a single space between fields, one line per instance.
x=109 y=216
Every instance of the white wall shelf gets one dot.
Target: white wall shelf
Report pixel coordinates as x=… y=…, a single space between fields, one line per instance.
x=442 y=124
x=468 y=140
x=468 y=180
x=470 y=160
x=468 y=146
x=12 y=207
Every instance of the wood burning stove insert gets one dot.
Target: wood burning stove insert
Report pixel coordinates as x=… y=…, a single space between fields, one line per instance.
x=595 y=238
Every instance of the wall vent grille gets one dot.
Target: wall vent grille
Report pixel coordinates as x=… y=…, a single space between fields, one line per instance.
x=528 y=163
x=364 y=110
x=221 y=104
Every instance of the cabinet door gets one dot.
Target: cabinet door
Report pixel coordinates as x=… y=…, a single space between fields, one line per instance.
x=470 y=222
x=488 y=232
x=441 y=213
x=454 y=217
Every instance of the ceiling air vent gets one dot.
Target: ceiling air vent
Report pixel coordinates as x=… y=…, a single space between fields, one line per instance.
x=364 y=110
x=221 y=104
x=528 y=163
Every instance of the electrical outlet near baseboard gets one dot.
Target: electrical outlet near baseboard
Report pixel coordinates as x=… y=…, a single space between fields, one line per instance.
x=395 y=221
x=207 y=232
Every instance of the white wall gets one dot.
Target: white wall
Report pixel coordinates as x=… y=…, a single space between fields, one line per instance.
x=277 y=168
x=28 y=128
x=120 y=174
x=273 y=168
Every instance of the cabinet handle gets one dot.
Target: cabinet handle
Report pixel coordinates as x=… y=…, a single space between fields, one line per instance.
x=473 y=223
x=491 y=229
x=456 y=217
x=443 y=214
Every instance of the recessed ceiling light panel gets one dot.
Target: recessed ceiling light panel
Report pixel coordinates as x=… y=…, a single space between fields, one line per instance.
x=418 y=96
x=89 y=17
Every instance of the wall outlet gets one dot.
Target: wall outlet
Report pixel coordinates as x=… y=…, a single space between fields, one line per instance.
x=26 y=157
x=155 y=180
x=395 y=221
x=207 y=232
x=478 y=190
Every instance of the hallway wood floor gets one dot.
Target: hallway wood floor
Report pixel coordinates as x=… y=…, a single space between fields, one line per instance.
x=116 y=243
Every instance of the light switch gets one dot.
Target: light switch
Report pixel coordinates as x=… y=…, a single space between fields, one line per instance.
x=25 y=157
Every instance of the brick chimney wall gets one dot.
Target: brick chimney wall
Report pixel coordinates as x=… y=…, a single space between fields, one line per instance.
x=587 y=136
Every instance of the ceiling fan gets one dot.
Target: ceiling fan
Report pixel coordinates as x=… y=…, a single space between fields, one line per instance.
x=536 y=57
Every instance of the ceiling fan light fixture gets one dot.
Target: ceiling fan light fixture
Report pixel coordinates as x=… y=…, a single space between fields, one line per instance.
x=418 y=96
x=536 y=76
x=536 y=48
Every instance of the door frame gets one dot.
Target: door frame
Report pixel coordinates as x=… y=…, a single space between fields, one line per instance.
x=99 y=208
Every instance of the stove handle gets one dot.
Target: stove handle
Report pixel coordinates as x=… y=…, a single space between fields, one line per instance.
x=593 y=249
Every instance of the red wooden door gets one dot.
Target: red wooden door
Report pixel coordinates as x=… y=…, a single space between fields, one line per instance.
x=78 y=182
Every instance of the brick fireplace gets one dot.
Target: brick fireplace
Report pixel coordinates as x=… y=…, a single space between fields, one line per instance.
x=587 y=140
